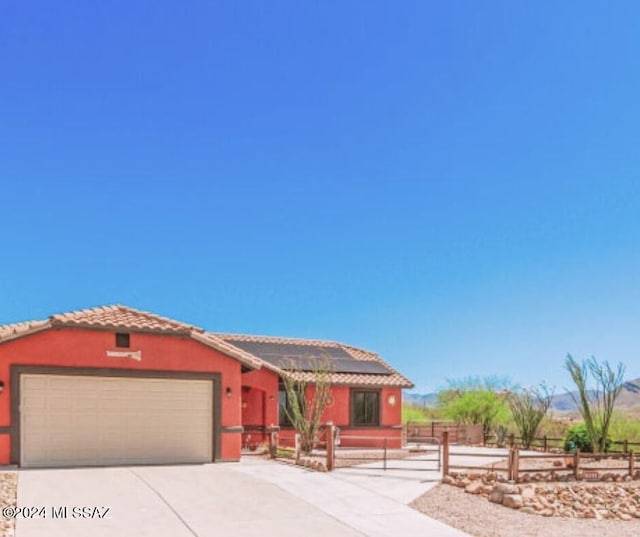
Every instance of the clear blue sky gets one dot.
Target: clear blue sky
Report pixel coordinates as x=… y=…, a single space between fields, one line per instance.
x=455 y=185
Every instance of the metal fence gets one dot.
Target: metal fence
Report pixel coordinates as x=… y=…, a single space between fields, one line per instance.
x=388 y=453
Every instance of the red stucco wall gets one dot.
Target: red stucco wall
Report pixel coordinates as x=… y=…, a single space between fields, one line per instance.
x=87 y=349
x=339 y=412
x=259 y=405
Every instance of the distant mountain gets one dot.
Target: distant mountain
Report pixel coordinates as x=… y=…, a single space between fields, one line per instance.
x=629 y=398
x=423 y=400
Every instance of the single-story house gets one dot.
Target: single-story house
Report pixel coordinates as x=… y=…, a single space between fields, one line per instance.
x=114 y=385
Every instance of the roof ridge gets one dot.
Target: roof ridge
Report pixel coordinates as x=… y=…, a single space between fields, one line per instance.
x=76 y=316
x=161 y=317
x=276 y=339
x=94 y=309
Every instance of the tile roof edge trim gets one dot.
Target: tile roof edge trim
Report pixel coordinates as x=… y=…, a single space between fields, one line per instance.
x=45 y=325
x=228 y=350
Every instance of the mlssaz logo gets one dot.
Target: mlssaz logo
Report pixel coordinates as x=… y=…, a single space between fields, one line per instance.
x=90 y=512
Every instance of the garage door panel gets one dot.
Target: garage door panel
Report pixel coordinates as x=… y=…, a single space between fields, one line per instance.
x=84 y=420
x=111 y=403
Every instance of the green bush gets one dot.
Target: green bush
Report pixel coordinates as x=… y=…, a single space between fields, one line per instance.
x=578 y=438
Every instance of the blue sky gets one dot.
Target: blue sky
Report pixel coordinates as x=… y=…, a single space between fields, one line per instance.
x=454 y=185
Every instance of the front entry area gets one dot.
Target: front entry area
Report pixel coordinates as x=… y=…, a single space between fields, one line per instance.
x=84 y=420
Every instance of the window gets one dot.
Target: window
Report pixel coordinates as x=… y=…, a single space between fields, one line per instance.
x=365 y=408
x=283 y=402
x=122 y=340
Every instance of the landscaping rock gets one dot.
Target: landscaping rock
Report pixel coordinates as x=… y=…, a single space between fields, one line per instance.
x=550 y=494
x=507 y=488
x=8 y=488
x=474 y=488
x=514 y=501
x=528 y=493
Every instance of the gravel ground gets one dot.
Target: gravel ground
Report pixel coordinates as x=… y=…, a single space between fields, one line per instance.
x=477 y=516
x=8 y=491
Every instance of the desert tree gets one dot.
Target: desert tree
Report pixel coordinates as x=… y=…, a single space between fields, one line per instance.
x=308 y=392
x=475 y=401
x=528 y=408
x=596 y=403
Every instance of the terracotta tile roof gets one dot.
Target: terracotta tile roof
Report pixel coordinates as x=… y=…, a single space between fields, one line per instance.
x=118 y=317
x=16 y=330
x=122 y=317
x=360 y=379
x=224 y=347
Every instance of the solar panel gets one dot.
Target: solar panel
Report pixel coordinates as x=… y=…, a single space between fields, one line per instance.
x=305 y=357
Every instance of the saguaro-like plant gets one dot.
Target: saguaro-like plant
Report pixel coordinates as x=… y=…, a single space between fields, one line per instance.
x=308 y=393
x=596 y=403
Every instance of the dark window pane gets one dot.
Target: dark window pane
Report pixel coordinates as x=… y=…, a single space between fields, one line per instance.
x=359 y=407
x=122 y=340
x=365 y=408
x=283 y=401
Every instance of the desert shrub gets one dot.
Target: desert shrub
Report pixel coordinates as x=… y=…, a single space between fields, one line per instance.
x=528 y=409
x=553 y=428
x=475 y=407
x=413 y=413
x=501 y=435
x=417 y=413
x=596 y=403
x=578 y=438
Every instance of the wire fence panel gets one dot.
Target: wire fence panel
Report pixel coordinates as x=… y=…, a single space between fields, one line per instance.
x=383 y=453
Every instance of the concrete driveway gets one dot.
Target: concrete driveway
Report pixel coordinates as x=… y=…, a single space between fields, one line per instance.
x=176 y=501
x=252 y=498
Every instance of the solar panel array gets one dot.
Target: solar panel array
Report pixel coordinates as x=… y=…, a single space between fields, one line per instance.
x=307 y=357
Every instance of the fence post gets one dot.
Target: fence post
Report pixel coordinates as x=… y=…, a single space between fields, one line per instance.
x=576 y=464
x=273 y=444
x=512 y=439
x=626 y=446
x=510 y=465
x=384 y=445
x=632 y=464
x=331 y=446
x=516 y=464
x=546 y=443
x=445 y=453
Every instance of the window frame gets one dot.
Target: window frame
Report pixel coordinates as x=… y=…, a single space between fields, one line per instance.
x=283 y=418
x=123 y=340
x=353 y=411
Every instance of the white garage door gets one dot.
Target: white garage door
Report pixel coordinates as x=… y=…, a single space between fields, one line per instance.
x=81 y=420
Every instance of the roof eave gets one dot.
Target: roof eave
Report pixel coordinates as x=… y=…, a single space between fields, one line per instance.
x=124 y=328
x=25 y=333
x=228 y=350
